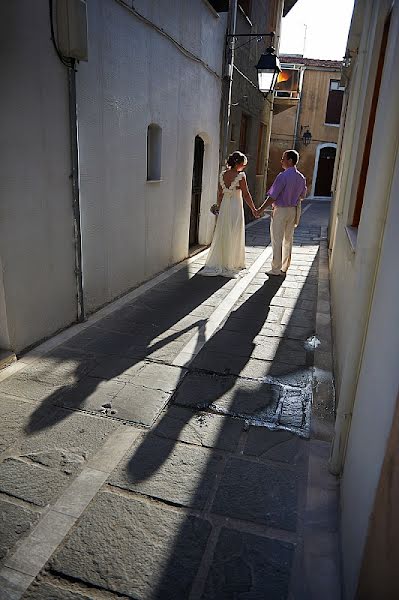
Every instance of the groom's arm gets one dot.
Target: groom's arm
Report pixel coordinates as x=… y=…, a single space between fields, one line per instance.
x=268 y=202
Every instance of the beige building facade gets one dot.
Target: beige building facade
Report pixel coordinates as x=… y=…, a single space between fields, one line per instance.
x=365 y=308
x=308 y=101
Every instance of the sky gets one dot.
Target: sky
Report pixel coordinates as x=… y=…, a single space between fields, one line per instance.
x=327 y=28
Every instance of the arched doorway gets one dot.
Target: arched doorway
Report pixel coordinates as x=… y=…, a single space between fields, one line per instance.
x=324 y=170
x=196 y=190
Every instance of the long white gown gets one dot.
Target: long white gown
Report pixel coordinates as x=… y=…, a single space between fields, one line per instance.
x=226 y=255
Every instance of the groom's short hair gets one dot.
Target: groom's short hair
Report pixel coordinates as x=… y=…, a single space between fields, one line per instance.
x=293 y=155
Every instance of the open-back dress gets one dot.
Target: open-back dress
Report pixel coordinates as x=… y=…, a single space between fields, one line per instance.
x=226 y=255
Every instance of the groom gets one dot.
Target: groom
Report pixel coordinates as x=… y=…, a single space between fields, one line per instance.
x=285 y=195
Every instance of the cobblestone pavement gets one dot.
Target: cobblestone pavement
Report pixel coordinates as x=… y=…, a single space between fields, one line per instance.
x=177 y=447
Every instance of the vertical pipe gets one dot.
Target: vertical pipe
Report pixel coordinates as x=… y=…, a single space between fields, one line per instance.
x=298 y=110
x=73 y=127
x=229 y=68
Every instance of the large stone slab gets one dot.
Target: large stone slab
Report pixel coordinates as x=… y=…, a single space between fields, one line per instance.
x=62 y=366
x=249 y=566
x=157 y=376
x=258 y=492
x=15 y=416
x=27 y=388
x=201 y=429
x=175 y=472
x=280 y=446
x=297 y=316
x=166 y=351
x=145 y=373
x=40 y=590
x=28 y=482
x=66 y=440
x=134 y=548
x=229 y=395
x=224 y=363
x=15 y=523
x=111 y=343
x=284 y=350
x=90 y=394
x=139 y=404
x=116 y=398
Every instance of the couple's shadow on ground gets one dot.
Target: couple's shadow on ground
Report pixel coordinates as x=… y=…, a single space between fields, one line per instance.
x=122 y=341
x=241 y=327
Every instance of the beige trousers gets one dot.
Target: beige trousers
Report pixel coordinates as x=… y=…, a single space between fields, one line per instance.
x=282 y=225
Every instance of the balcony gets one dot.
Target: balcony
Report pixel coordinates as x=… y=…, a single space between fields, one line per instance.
x=288 y=87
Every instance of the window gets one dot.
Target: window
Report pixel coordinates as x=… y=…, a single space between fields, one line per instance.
x=260 y=161
x=370 y=129
x=288 y=83
x=334 y=103
x=154 y=152
x=244 y=133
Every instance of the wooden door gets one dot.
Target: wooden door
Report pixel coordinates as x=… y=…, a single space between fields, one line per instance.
x=325 y=170
x=196 y=190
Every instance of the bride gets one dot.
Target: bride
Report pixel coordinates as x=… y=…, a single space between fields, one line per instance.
x=226 y=256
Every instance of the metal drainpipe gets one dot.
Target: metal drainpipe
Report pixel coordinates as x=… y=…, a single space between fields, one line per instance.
x=73 y=128
x=298 y=110
x=230 y=68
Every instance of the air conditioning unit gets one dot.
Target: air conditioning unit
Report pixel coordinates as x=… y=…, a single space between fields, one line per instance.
x=72 y=39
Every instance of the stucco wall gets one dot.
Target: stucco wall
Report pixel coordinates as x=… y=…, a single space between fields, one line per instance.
x=133 y=229
x=364 y=285
x=36 y=226
x=312 y=112
x=375 y=401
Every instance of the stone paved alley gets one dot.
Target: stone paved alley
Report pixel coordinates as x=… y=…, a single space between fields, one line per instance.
x=176 y=445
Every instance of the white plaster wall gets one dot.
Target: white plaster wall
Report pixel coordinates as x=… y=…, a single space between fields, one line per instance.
x=365 y=289
x=346 y=264
x=135 y=76
x=4 y=337
x=36 y=227
x=375 y=401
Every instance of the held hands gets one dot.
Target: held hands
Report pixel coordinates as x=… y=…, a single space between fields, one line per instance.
x=258 y=212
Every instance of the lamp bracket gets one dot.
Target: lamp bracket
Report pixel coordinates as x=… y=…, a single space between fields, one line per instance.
x=257 y=35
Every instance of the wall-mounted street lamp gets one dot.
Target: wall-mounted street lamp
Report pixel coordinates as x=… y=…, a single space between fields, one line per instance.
x=268 y=66
x=268 y=69
x=306 y=136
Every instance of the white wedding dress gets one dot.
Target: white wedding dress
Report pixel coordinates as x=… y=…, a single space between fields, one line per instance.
x=226 y=255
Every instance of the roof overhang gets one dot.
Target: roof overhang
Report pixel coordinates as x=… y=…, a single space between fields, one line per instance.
x=288 y=4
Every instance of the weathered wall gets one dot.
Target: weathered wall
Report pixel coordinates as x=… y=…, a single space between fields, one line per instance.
x=282 y=138
x=36 y=225
x=133 y=229
x=364 y=292
x=378 y=576
x=312 y=112
x=265 y=16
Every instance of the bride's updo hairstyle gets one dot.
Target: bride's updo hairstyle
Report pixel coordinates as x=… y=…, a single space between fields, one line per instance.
x=237 y=158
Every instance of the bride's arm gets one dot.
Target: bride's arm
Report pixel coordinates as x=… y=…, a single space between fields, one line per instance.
x=219 y=196
x=247 y=195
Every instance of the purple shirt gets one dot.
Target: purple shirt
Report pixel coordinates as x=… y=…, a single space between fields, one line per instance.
x=288 y=187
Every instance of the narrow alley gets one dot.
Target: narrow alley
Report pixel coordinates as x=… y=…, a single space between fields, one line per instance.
x=175 y=446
